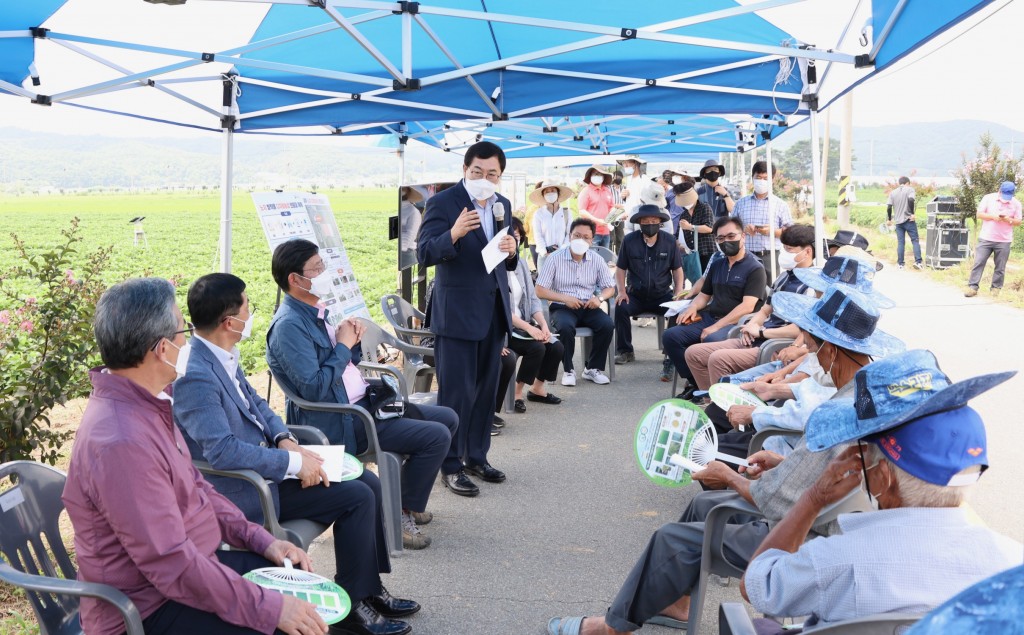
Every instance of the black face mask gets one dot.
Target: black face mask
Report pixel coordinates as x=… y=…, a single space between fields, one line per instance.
x=711 y=176
x=730 y=247
x=650 y=230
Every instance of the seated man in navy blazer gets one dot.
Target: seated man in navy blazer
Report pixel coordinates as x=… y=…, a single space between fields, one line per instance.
x=226 y=423
x=317 y=362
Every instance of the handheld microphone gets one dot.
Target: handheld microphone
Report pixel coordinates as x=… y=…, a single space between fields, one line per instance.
x=498 y=209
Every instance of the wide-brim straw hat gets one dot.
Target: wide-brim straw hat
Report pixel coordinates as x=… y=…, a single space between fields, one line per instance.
x=411 y=194
x=537 y=196
x=596 y=168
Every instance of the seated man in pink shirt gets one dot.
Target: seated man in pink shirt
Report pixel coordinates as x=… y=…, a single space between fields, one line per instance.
x=145 y=520
x=999 y=213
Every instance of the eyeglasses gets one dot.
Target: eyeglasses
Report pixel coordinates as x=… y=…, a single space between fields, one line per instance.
x=721 y=238
x=316 y=271
x=492 y=175
x=579 y=237
x=188 y=330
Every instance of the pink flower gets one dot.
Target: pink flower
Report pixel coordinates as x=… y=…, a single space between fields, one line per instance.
x=5 y=317
x=27 y=326
x=30 y=301
x=70 y=276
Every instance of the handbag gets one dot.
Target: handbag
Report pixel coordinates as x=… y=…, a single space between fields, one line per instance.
x=385 y=399
x=692 y=269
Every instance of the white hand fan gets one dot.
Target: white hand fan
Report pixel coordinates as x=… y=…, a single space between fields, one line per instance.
x=331 y=601
x=703 y=449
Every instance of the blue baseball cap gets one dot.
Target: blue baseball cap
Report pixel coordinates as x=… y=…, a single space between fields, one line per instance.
x=889 y=393
x=1007 y=190
x=849 y=270
x=842 y=316
x=936 y=447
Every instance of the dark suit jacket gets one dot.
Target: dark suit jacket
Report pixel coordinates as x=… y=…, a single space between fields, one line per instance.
x=463 y=298
x=218 y=428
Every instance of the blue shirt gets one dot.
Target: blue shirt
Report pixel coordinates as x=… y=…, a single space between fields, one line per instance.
x=756 y=211
x=905 y=560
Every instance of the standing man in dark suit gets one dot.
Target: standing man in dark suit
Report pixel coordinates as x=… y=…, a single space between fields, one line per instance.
x=227 y=423
x=469 y=313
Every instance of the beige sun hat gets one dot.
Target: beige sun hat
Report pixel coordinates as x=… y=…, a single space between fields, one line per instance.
x=596 y=168
x=537 y=196
x=653 y=194
x=687 y=197
x=412 y=195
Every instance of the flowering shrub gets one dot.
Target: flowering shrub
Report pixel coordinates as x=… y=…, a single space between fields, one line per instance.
x=983 y=174
x=923 y=192
x=46 y=342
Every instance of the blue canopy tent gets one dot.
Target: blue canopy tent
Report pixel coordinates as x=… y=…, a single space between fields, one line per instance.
x=360 y=66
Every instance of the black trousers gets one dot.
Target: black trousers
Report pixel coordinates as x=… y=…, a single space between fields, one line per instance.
x=467 y=377
x=424 y=436
x=626 y=310
x=540 y=360
x=354 y=508
x=172 y=618
x=507 y=365
x=565 y=320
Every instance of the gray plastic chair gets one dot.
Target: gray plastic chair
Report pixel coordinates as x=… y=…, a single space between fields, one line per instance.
x=29 y=512
x=661 y=326
x=300 y=532
x=373 y=338
x=401 y=316
x=389 y=464
x=587 y=335
x=734 y=620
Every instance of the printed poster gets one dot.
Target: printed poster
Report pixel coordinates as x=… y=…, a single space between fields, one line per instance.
x=288 y=215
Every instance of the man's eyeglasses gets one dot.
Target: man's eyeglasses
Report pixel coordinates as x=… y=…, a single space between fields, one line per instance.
x=721 y=238
x=189 y=328
x=492 y=175
x=578 y=237
x=316 y=271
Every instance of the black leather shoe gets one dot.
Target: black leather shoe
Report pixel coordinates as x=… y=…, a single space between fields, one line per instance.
x=460 y=483
x=390 y=606
x=548 y=398
x=486 y=472
x=365 y=620
x=687 y=394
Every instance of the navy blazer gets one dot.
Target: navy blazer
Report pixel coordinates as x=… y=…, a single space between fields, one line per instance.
x=462 y=306
x=302 y=358
x=220 y=429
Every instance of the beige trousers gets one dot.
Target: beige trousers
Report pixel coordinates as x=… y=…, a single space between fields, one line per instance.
x=710 y=361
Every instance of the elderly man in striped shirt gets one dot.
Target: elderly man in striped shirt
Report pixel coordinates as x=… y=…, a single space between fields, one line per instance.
x=576 y=281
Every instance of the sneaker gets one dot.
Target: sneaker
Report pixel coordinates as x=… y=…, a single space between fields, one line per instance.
x=970 y=292
x=919 y=266
x=645 y=322
x=422 y=518
x=596 y=376
x=625 y=357
x=995 y=291
x=667 y=370
x=412 y=537
x=900 y=267
x=569 y=378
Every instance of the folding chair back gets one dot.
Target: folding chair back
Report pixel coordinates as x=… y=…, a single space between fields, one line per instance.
x=403 y=318
x=29 y=531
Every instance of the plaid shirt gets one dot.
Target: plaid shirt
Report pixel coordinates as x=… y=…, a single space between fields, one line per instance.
x=754 y=211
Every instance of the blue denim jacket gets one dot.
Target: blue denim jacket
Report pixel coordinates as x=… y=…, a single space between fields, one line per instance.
x=301 y=356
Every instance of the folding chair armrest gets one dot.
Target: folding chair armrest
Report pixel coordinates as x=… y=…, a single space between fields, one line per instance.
x=390 y=370
x=770 y=347
x=413 y=334
x=413 y=349
x=714 y=531
x=762 y=435
x=308 y=435
x=734 y=620
x=262 y=489
x=60 y=586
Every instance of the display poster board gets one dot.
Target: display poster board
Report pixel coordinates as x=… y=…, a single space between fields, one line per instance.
x=288 y=215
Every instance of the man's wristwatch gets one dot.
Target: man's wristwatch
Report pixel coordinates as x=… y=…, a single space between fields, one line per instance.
x=285 y=436
x=761 y=333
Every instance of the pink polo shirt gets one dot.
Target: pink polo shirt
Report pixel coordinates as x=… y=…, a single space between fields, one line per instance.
x=596 y=201
x=996 y=230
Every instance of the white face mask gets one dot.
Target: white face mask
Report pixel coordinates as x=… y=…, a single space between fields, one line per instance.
x=181 y=365
x=818 y=373
x=760 y=186
x=628 y=171
x=578 y=246
x=596 y=180
x=480 y=189
x=551 y=197
x=320 y=286
x=787 y=260
x=676 y=180
x=247 y=329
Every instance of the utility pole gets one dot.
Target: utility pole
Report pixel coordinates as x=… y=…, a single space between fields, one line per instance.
x=845 y=161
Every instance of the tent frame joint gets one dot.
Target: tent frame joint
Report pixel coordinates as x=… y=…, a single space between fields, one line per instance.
x=412 y=8
x=42 y=100
x=39 y=32
x=863 y=61
x=410 y=84
x=627 y=34
x=209 y=57
x=500 y=117
x=228 y=122
x=811 y=100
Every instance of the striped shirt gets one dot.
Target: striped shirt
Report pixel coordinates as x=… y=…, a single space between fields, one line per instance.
x=754 y=211
x=562 y=274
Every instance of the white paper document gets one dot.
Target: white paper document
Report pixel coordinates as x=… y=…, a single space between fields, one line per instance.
x=675 y=307
x=334 y=461
x=492 y=254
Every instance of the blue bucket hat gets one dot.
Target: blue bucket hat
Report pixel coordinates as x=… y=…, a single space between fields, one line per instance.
x=842 y=316
x=855 y=272
x=891 y=392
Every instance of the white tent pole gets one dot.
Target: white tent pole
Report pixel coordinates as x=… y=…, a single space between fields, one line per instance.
x=226 y=176
x=819 y=191
x=771 y=209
